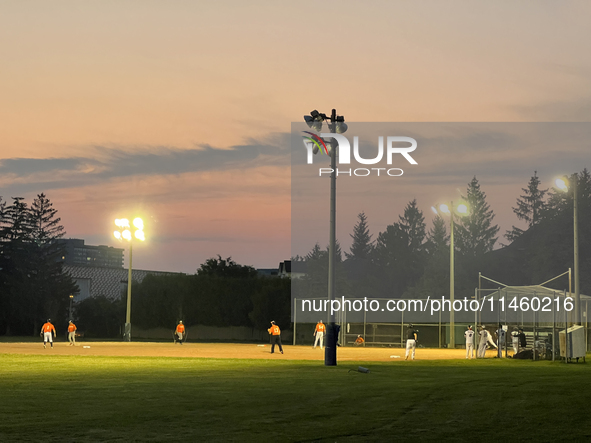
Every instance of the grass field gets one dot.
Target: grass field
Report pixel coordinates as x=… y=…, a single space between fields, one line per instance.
x=102 y=398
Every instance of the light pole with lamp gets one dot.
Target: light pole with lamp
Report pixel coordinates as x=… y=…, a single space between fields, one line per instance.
x=124 y=233
x=563 y=185
x=336 y=124
x=461 y=209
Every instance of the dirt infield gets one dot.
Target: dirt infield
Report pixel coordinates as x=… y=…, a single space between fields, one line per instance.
x=227 y=350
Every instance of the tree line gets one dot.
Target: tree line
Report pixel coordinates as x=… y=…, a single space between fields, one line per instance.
x=409 y=260
x=220 y=293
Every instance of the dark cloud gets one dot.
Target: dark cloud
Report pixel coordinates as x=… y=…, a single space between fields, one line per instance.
x=103 y=163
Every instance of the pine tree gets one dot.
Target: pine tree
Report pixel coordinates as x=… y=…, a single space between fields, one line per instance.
x=45 y=225
x=530 y=206
x=412 y=223
x=16 y=266
x=362 y=243
x=437 y=238
x=475 y=233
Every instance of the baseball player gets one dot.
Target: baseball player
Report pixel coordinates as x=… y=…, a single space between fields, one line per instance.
x=180 y=332
x=319 y=332
x=522 y=339
x=411 y=341
x=484 y=335
x=359 y=341
x=515 y=340
x=500 y=340
x=47 y=329
x=275 y=333
x=72 y=333
x=469 y=335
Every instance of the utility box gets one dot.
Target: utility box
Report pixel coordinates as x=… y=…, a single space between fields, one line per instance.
x=576 y=342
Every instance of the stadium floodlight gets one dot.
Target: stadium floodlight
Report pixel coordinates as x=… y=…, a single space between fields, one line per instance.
x=336 y=124
x=341 y=127
x=563 y=183
x=124 y=233
x=461 y=210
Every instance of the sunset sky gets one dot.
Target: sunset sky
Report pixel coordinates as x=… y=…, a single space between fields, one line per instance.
x=181 y=112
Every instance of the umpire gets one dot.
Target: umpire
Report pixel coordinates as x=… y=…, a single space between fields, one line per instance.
x=275 y=333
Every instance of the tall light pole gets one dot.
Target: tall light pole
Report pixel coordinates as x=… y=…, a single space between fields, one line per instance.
x=124 y=233
x=563 y=184
x=461 y=209
x=336 y=124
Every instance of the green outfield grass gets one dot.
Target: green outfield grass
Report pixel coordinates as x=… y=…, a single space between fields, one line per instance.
x=67 y=398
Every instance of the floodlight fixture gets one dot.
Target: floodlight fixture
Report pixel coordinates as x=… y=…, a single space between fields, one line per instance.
x=561 y=183
x=341 y=127
x=138 y=223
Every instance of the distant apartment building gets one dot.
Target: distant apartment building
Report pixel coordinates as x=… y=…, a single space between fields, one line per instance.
x=98 y=270
x=76 y=253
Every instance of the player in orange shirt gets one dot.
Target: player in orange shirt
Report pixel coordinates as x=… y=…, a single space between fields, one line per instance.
x=46 y=330
x=275 y=333
x=180 y=332
x=319 y=332
x=359 y=341
x=72 y=333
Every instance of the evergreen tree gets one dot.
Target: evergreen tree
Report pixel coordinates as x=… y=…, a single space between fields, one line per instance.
x=412 y=223
x=530 y=206
x=475 y=233
x=45 y=224
x=437 y=238
x=362 y=243
x=52 y=287
x=15 y=265
x=392 y=271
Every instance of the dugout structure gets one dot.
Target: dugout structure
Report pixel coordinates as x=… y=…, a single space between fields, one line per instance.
x=543 y=313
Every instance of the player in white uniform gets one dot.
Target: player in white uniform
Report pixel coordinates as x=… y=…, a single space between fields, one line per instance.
x=515 y=340
x=469 y=335
x=483 y=342
x=500 y=340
